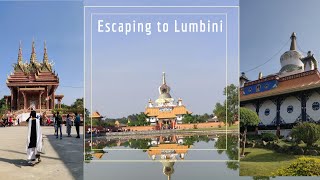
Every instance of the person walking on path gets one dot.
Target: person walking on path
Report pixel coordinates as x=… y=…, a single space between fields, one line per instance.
x=69 y=124
x=34 y=141
x=77 y=124
x=54 y=123
x=59 y=125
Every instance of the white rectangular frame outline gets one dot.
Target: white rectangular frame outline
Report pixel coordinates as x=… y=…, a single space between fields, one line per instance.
x=161 y=14
x=225 y=14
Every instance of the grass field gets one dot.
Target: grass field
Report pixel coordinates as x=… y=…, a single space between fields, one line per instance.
x=263 y=162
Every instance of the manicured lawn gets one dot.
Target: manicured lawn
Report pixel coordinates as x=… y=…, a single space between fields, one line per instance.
x=232 y=127
x=262 y=162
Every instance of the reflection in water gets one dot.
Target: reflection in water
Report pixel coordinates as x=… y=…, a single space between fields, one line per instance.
x=166 y=149
x=232 y=150
x=168 y=168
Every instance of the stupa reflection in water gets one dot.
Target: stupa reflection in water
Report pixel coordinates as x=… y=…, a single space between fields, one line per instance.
x=168 y=149
x=165 y=149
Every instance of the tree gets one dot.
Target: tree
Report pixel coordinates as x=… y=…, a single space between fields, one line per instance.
x=220 y=112
x=230 y=143
x=78 y=103
x=3 y=106
x=205 y=117
x=75 y=107
x=188 y=118
x=307 y=132
x=229 y=110
x=138 y=119
x=247 y=118
x=231 y=92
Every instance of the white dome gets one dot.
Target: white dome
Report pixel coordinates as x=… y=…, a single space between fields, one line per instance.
x=291 y=60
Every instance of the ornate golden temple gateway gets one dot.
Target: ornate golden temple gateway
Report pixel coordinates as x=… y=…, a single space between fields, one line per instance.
x=33 y=84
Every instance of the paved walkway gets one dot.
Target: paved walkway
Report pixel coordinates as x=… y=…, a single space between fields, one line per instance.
x=63 y=158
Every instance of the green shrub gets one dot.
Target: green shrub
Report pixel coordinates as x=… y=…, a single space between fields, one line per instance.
x=284 y=149
x=269 y=137
x=297 y=150
x=301 y=167
x=253 y=136
x=311 y=152
x=307 y=132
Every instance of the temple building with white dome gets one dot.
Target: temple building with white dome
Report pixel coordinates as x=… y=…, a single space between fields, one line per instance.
x=164 y=113
x=289 y=96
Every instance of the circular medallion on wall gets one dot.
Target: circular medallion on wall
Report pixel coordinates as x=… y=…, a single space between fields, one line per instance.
x=267 y=112
x=316 y=106
x=290 y=109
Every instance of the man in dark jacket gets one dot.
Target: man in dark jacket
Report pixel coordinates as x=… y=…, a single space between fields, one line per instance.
x=77 y=124
x=59 y=125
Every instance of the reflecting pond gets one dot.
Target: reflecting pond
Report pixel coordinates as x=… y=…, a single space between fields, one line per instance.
x=174 y=156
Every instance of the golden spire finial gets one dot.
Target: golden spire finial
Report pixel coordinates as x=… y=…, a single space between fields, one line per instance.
x=45 y=46
x=45 y=54
x=33 y=46
x=20 y=52
x=33 y=57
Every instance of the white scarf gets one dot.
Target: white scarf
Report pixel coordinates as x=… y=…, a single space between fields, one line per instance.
x=39 y=134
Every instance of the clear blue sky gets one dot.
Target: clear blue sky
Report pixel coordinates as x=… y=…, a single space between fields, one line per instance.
x=127 y=69
x=267 y=25
x=60 y=24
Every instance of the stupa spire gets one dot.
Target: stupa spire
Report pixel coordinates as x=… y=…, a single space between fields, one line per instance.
x=33 y=57
x=45 y=54
x=20 y=53
x=164 y=78
x=293 y=41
